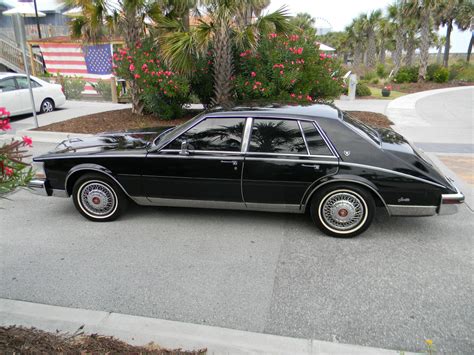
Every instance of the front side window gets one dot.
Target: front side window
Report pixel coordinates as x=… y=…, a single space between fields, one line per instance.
x=7 y=85
x=276 y=136
x=23 y=83
x=218 y=134
x=316 y=143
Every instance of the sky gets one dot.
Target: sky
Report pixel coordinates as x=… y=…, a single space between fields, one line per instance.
x=339 y=13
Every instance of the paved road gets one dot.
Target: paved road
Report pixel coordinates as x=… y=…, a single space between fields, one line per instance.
x=403 y=281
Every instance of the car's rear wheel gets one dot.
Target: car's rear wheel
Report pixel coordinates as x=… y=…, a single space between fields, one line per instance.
x=98 y=198
x=47 y=106
x=342 y=210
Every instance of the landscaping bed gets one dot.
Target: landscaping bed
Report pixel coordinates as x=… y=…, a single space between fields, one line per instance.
x=123 y=120
x=34 y=341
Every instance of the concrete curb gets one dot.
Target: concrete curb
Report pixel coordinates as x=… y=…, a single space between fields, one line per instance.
x=402 y=111
x=170 y=334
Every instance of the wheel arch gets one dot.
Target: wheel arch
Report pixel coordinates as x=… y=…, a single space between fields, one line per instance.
x=350 y=179
x=76 y=172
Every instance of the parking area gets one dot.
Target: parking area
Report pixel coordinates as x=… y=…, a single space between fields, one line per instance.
x=403 y=281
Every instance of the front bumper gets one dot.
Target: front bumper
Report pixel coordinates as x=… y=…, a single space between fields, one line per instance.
x=41 y=187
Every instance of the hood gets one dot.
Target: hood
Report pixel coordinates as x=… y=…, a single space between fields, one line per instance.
x=417 y=162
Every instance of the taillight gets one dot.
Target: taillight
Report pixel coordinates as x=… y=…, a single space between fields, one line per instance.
x=62 y=89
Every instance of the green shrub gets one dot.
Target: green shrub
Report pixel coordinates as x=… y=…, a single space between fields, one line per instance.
x=431 y=69
x=369 y=76
x=73 y=87
x=374 y=81
x=441 y=75
x=201 y=81
x=362 y=90
x=104 y=89
x=407 y=75
x=462 y=71
x=381 y=71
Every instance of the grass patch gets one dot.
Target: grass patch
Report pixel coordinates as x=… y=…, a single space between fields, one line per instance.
x=377 y=94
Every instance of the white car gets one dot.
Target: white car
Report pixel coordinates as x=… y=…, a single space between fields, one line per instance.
x=15 y=97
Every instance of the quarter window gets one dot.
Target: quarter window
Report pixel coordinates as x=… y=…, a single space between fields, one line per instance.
x=23 y=83
x=7 y=85
x=316 y=143
x=218 y=134
x=276 y=136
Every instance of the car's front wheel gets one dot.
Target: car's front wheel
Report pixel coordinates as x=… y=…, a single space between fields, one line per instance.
x=342 y=210
x=98 y=198
x=47 y=106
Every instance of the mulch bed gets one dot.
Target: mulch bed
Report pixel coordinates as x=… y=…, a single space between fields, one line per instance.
x=410 y=88
x=372 y=118
x=123 y=120
x=34 y=341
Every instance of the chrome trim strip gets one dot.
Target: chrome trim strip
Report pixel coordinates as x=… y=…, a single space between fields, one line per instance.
x=415 y=211
x=203 y=151
x=270 y=207
x=304 y=137
x=38 y=187
x=293 y=155
x=294 y=160
x=191 y=156
x=304 y=204
x=450 y=208
x=391 y=172
x=246 y=138
x=92 y=156
x=326 y=139
x=71 y=172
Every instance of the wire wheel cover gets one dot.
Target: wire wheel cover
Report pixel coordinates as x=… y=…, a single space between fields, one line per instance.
x=343 y=211
x=98 y=199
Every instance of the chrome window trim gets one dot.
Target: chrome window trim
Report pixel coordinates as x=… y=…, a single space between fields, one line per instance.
x=392 y=172
x=204 y=151
x=305 y=203
x=304 y=137
x=326 y=139
x=293 y=160
x=92 y=156
x=293 y=155
x=192 y=156
x=246 y=136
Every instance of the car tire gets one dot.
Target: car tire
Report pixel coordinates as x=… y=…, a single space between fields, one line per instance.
x=341 y=210
x=47 y=106
x=98 y=198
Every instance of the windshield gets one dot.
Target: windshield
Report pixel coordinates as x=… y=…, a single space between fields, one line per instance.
x=174 y=131
x=361 y=128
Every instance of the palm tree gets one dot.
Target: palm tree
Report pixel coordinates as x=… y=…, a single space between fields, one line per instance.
x=385 y=32
x=411 y=25
x=370 y=25
x=108 y=17
x=219 y=30
x=356 y=38
x=395 y=15
x=304 y=22
x=454 y=12
x=440 y=43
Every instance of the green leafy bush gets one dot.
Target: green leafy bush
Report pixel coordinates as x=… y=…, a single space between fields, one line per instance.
x=163 y=92
x=441 y=75
x=374 y=81
x=407 y=75
x=287 y=68
x=73 y=87
x=431 y=69
x=381 y=71
x=462 y=71
x=369 y=76
x=104 y=89
x=362 y=90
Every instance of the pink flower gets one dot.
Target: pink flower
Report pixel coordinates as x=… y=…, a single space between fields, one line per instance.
x=300 y=50
x=292 y=95
x=309 y=98
x=281 y=72
x=137 y=76
x=131 y=67
x=253 y=74
x=5 y=125
x=8 y=171
x=144 y=67
x=272 y=35
x=28 y=141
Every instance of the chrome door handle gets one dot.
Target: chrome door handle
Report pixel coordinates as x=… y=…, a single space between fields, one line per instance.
x=233 y=162
x=314 y=166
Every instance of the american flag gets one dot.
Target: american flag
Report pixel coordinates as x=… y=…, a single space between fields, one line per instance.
x=91 y=63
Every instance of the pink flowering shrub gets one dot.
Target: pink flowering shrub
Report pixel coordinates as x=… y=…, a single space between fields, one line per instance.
x=162 y=91
x=13 y=171
x=289 y=68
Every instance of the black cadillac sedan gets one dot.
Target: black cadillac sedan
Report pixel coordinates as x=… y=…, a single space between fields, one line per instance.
x=312 y=159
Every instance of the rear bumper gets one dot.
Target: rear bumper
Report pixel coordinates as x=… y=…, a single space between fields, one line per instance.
x=450 y=202
x=41 y=187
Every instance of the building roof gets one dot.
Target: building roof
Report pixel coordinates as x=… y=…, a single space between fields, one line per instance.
x=43 y=5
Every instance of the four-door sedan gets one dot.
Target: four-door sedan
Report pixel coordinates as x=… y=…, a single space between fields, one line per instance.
x=15 y=96
x=314 y=159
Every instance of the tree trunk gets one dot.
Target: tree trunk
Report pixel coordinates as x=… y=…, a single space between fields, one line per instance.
x=223 y=67
x=382 y=52
x=425 y=43
x=397 y=58
x=438 y=55
x=469 y=48
x=449 y=28
x=372 y=50
x=410 y=52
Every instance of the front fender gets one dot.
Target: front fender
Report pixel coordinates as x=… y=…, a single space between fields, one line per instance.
x=74 y=173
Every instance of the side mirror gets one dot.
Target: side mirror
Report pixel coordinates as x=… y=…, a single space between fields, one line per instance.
x=184 y=148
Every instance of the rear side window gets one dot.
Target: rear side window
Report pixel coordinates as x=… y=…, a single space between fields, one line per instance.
x=276 y=136
x=316 y=143
x=7 y=85
x=217 y=134
x=23 y=83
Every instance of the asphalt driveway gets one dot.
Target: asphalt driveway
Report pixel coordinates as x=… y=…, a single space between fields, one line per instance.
x=403 y=281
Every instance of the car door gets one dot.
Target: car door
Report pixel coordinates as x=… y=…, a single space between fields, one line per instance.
x=38 y=92
x=10 y=97
x=202 y=167
x=284 y=159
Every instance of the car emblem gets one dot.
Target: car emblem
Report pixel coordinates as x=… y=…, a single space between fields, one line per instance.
x=403 y=199
x=347 y=153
